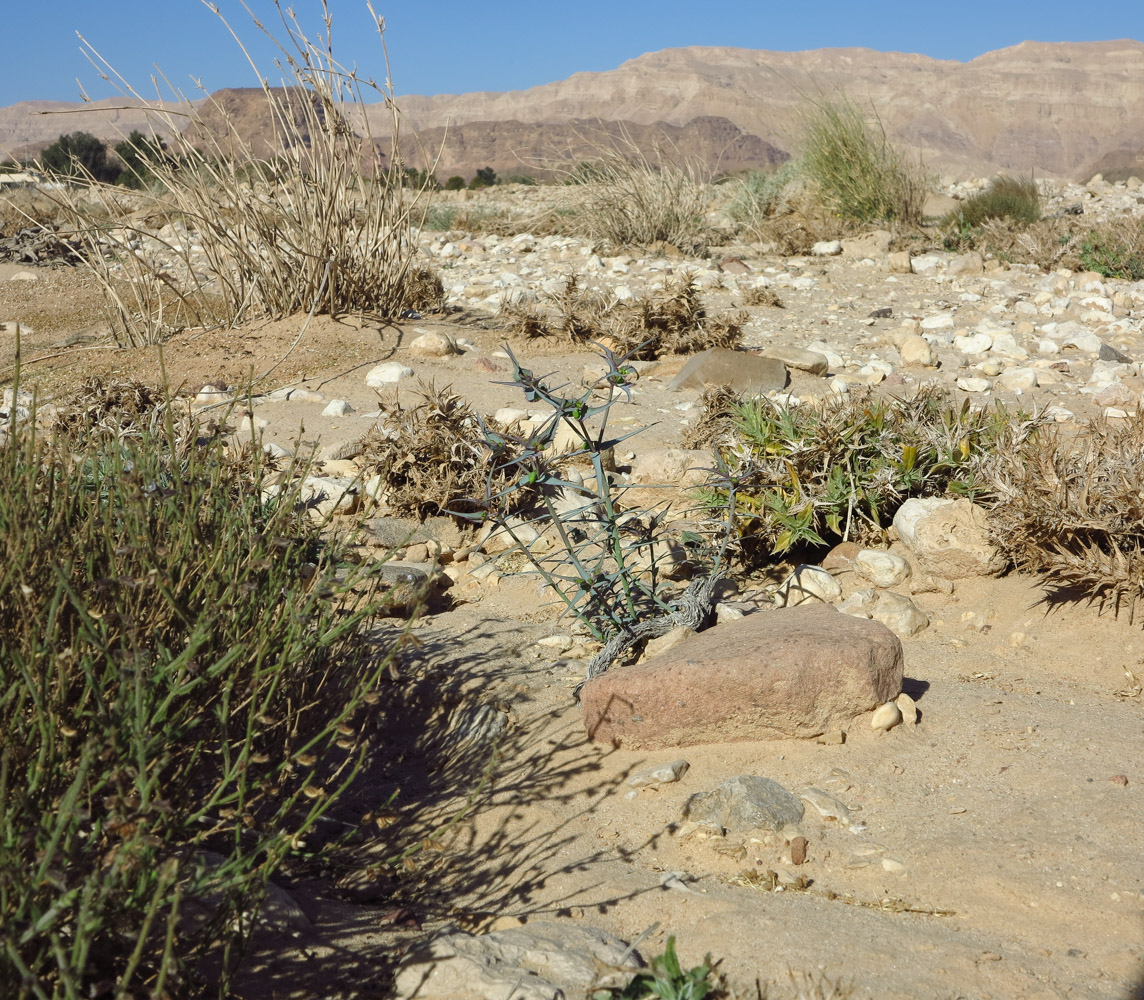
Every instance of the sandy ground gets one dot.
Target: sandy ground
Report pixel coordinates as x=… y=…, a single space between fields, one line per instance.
x=1000 y=855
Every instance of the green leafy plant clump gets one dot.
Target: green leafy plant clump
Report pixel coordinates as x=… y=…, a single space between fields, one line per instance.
x=1115 y=250
x=1010 y=200
x=666 y=979
x=819 y=473
x=185 y=693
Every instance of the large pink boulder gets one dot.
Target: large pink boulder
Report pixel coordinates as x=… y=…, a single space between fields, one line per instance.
x=793 y=672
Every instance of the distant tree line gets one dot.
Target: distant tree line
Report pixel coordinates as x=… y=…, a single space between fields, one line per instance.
x=83 y=156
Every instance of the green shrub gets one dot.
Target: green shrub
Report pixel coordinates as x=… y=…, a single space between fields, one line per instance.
x=140 y=155
x=1015 y=198
x=858 y=172
x=1115 y=250
x=817 y=473
x=79 y=156
x=455 y=183
x=485 y=177
x=665 y=980
x=186 y=690
x=756 y=195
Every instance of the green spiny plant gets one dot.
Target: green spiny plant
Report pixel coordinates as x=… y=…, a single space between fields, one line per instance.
x=1115 y=250
x=667 y=979
x=605 y=564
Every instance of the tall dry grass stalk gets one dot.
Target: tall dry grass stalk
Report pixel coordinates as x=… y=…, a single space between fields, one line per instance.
x=314 y=220
x=863 y=176
x=631 y=197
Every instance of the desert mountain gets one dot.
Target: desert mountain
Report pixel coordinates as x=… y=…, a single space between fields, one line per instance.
x=1062 y=109
x=1053 y=107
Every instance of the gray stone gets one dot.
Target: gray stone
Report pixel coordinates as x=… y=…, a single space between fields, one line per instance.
x=741 y=371
x=1110 y=353
x=747 y=802
x=827 y=248
x=661 y=774
x=387 y=373
x=805 y=584
x=795 y=672
x=672 y=467
x=883 y=569
x=542 y=960
x=949 y=538
x=795 y=357
x=966 y=263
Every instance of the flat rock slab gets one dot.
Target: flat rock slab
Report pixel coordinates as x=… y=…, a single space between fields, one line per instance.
x=793 y=672
x=541 y=961
x=742 y=372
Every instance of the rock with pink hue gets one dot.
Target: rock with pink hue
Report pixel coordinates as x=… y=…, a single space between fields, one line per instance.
x=794 y=672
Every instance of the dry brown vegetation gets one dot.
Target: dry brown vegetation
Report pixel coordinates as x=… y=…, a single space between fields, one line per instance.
x=1072 y=510
x=672 y=321
x=432 y=456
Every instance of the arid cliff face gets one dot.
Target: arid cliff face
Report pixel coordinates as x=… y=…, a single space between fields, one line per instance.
x=1060 y=109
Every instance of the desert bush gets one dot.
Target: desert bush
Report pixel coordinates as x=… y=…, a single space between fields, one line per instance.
x=324 y=228
x=761 y=295
x=673 y=321
x=455 y=183
x=756 y=196
x=839 y=469
x=1072 y=510
x=79 y=156
x=430 y=455
x=604 y=563
x=855 y=167
x=626 y=197
x=1115 y=249
x=186 y=692
x=666 y=979
x=1014 y=198
x=483 y=178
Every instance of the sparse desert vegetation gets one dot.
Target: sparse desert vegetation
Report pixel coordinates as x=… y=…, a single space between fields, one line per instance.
x=290 y=664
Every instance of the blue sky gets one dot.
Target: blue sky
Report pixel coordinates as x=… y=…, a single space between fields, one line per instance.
x=462 y=45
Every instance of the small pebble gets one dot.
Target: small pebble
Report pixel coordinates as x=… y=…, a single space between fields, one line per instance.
x=886 y=717
x=661 y=774
x=893 y=865
x=798 y=850
x=908 y=707
x=1119 y=779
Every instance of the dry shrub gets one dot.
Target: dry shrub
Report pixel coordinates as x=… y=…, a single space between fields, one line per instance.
x=571 y=311
x=1114 y=249
x=1073 y=510
x=636 y=199
x=762 y=296
x=98 y=402
x=673 y=321
x=433 y=456
x=717 y=425
x=794 y=235
x=322 y=225
x=1048 y=243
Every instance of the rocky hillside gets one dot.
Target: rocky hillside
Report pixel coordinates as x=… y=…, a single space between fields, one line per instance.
x=1060 y=109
